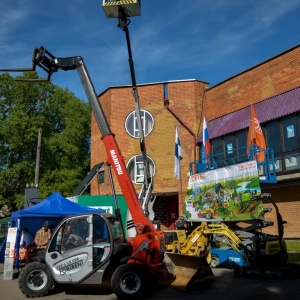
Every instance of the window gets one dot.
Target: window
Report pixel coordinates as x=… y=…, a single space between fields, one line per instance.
x=75 y=233
x=217 y=151
x=72 y=234
x=281 y=135
x=272 y=136
x=135 y=167
x=291 y=147
x=101 y=178
x=131 y=123
x=229 y=146
x=241 y=148
x=101 y=240
x=290 y=133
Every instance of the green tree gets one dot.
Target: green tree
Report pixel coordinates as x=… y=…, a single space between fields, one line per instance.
x=65 y=149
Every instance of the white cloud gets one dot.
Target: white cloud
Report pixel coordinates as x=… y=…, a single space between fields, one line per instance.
x=172 y=39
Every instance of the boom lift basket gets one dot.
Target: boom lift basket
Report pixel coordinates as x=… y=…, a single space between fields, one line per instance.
x=129 y=8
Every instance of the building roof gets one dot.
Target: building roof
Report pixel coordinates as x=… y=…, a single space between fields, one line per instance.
x=151 y=83
x=267 y=110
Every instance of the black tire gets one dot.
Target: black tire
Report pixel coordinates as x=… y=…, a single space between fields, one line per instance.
x=35 y=280
x=131 y=281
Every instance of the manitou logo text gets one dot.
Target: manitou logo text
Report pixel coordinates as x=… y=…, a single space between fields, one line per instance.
x=116 y=162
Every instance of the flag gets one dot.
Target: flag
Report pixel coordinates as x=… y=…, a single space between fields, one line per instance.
x=206 y=142
x=178 y=155
x=255 y=136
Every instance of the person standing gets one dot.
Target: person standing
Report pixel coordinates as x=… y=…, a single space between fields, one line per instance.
x=26 y=238
x=42 y=236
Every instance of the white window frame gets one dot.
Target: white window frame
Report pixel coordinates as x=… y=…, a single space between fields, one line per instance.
x=137 y=172
x=135 y=133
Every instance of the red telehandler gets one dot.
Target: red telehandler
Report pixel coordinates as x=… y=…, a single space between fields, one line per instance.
x=91 y=249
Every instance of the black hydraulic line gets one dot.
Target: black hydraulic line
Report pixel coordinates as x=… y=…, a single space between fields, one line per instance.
x=117 y=209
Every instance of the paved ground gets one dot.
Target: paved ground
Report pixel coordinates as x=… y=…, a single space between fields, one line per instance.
x=224 y=287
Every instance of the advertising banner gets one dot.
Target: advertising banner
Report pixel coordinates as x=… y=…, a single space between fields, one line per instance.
x=224 y=194
x=9 y=255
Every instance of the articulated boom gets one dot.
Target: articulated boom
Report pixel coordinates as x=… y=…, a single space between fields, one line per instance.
x=231 y=238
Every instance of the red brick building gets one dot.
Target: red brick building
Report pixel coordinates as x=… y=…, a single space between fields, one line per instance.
x=273 y=87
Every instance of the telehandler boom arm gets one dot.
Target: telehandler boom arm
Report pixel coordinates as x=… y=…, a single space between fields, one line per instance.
x=51 y=64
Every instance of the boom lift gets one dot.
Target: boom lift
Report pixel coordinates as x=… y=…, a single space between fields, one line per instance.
x=102 y=254
x=122 y=10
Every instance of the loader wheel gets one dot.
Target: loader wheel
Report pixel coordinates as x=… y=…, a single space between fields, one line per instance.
x=131 y=281
x=35 y=280
x=208 y=215
x=214 y=262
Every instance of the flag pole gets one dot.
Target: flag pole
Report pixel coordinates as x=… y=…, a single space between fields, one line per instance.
x=252 y=127
x=250 y=134
x=252 y=131
x=180 y=177
x=177 y=165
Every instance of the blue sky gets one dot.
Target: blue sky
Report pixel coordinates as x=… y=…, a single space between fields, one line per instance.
x=172 y=40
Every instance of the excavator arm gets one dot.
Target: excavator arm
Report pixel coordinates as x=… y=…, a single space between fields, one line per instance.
x=203 y=234
x=196 y=237
x=230 y=237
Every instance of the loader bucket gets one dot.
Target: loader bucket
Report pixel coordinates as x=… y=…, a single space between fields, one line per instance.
x=186 y=273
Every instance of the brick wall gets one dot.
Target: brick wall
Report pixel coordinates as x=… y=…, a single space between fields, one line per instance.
x=267 y=79
x=185 y=100
x=188 y=100
x=287 y=200
x=272 y=77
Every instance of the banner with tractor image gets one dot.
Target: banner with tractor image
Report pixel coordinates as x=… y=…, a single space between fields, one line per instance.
x=224 y=194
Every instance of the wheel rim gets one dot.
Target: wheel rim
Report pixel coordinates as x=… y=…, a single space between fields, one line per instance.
x=208 y=215
x=130 y=283
x=214 y=262
x=37 y=280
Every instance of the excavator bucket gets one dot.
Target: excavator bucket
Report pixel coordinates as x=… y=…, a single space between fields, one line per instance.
x=186 y=273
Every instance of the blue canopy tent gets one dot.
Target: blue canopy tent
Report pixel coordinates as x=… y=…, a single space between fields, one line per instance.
x=53 y=209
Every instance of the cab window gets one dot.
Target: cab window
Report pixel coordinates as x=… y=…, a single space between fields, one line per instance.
x=76 y=233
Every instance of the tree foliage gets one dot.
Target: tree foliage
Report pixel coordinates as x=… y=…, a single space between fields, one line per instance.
x=65 y=148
